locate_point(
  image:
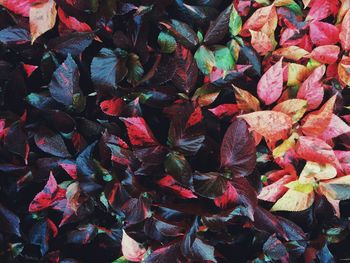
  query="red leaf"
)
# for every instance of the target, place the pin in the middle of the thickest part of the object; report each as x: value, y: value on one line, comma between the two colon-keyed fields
x: 225, y: 110
x: 276, y: 190
x: 345, y: 32
x: 322, y: 33
x: 228, y: 199
x: 73, y: 23
x: 316, y: 122
x: 270, y: 85
x: 195, y: 118
x: 315, y: 150
x: 321, y: 9
x: 52, y: 196
x: 335, y: 128
x: 325, y: 54
x: 18, y: 7
x: 112, y: 107
x: 312, y: 89
x: 169, y: 182
x: 139, y: 132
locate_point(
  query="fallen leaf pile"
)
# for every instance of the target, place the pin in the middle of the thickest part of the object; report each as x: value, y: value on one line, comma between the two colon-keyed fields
x: 174, y: 131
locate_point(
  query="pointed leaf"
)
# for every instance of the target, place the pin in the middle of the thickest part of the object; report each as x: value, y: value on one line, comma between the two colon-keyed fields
x: 272, y: 125
x: 294, y: 201
x: 238, y: 149
x: 271, y: 84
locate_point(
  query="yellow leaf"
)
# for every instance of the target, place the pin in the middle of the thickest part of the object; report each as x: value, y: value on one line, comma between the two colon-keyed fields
x: 296, y: 74
x: 315, y: 172
x: 294, y: 108
x: 294, y: 201
x: 300, y: 187
x: 293, y: 53
x: 337, y: 189
x: 42, y: 18
x: 281, y: 149
x: 246, y: 101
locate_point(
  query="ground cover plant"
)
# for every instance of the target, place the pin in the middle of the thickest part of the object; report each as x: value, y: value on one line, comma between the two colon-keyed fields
x: 174, y: 131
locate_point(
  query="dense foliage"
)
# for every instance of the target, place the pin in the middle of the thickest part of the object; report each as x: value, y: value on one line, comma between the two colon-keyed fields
x: 174, y: 131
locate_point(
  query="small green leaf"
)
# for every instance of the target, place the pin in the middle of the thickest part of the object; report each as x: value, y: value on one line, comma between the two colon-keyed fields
x: 166, y: 42
x: 295, y: 8
x: 235, y: 24
x: 200, y: 37
x: 223, y: 58
x: 205, y: 59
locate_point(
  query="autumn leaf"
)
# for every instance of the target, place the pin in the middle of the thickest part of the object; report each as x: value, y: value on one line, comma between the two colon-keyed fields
x: 294, y: 108
x: 291, y: 52
x: 245, y: 100
x: 337, y: 189
x: 314, y: 171
x: 272, y: 125
x: 327, y: 54
x: 312, y: 89
x: 270, y: 85
x: 276, y: 190
x: 316, y: 122
x: 322, y: 33
x: 42, y: 18
x: 343, y: 70
x: 345, y: 32
x: 315, y: 150
x: 294, y: 201
x: 264, y: 20
x: 261, y: 42
x: 18, y: 7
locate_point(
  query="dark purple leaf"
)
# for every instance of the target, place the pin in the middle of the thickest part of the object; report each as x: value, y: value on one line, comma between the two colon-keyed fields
x: 238, y: 149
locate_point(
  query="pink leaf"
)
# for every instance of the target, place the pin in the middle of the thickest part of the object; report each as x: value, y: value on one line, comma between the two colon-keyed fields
x: 312, y: 89
x: 270, y: 85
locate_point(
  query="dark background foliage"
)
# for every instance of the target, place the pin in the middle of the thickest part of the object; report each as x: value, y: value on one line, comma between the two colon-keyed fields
x: 108, y: 129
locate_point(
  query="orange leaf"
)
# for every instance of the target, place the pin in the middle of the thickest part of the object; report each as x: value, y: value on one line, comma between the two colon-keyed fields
x: 272, y: 125
x: 270, y: 85
x: 264, y: 18
x: 261, y: 42
x: 292, y: 52
x: 312, y: 89
x: 42, y: 18
x: 246, y: 101
x: 316, y: 122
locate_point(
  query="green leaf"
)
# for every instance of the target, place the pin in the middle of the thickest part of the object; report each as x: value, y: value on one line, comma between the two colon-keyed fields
x: 205, y: 59
x: 235, y: 24
x: 135, y: 69
x: 121, y: 260
x: 295, y: 8
x: 166, y: 42
x: 223, y: 58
